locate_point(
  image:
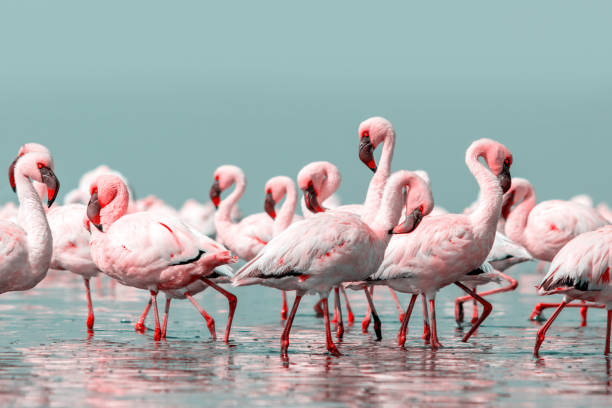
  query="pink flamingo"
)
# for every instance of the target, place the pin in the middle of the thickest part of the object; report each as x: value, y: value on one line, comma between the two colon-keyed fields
x: 250, y: 235
x: 321, y: 252
x: 202, y: 216
x: 445, y: 249
x: 149, y: 250
x: 544, y: 229
x: 80, y: 195
x: 26, y: 247
x: 580, y: 270
x: 276, y: 189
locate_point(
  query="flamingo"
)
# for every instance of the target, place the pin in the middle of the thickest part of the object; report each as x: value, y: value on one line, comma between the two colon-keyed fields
x: 250, y: 235
x: 448, y: 248
x: 320, y: 252
x: 149, y: 250
x: 276, y: 188
x: 80, y: 195
x: 543, y: 229
x: 26, y: 247
x: 580, y: 270
x: 202, y: 216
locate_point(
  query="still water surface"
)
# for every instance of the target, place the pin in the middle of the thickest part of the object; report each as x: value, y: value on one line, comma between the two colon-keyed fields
x: 47, y: 358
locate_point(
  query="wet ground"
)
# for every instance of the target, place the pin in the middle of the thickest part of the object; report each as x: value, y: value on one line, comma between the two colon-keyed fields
x: 47, y: 358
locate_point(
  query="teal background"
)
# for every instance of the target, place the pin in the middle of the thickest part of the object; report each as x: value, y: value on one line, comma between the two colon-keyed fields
x: 167, y: 91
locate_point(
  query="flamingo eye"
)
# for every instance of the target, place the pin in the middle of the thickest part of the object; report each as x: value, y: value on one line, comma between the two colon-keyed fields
x: 94, y: 190
x: 507, y: 162
x: 365, y: 133
x: 269, y: 191
x: 217, y: 177
x: 40, y: 165
x: 421, y: 208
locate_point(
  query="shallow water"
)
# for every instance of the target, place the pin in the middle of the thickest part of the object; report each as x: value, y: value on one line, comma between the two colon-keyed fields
x: 47, y: 358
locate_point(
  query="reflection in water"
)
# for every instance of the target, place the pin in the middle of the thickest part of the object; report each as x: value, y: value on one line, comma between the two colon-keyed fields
x: 46, y: 357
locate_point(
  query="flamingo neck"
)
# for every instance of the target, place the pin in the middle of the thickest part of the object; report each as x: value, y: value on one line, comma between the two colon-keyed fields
x: 391, y: 205
x: 32, y: 218
x: 379, y: 179
x: 224, y: 212
x: 488, y: 209
x: 518, y: 217
x: 116, y: 208
x: 287, y: 210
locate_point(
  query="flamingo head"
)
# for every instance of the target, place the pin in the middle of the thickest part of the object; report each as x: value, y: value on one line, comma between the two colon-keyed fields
x: 372, y: 132
x: 419, y: 203
x: 318, y: 181
x: 519, y: 190
x: 26, y: 148
x: 37, y: 165
x: 499, y: 159
x: 104, y: 190
x: 276, y: 189
x: 225, y: 176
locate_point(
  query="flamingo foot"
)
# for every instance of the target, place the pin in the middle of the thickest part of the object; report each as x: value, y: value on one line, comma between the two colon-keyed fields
x: 365, y: 324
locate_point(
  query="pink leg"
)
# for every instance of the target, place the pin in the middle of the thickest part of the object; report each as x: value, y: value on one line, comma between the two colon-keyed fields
x: 513, y: 284
x: 426, y: 331
x: 318, y: 310
x: 90, y: 313
x: 331, y: 347
x: 350, y: 317
x: 372, y: 309
x: 485, y: 313
x: 368, y: 316
x: 334, y: 319
x: 157, y: 334
x: 165, y: 319
x: 340, y: 328
x: 537, y: 310
x: 140, y: 327
x: 285, y: 335
x: 435, y: 344
x: 583, y: 315
x: 231, y: 299
x: 607, y: 349
x: 474, y: 311
x: 210, y: 322
x: 542, y: 331
x: 401, y: 336
x: 398, y: 305
x: 284, y: 306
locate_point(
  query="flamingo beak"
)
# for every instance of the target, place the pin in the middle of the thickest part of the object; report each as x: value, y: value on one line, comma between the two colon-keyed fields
x: 366, y: 153
x: 215, y: 193
x: 269, y: 206
x: 312, y: 202
x: 410, y: 223
x: 504, y: 178
x: 11, y: 174
x: 52, y: 183
x: 93, y: 211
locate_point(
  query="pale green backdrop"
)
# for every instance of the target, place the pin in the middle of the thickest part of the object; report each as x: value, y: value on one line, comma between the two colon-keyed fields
x: 167, y: 91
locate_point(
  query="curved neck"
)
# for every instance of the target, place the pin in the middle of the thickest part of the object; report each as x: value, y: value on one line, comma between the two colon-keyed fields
x: 488, y: 209
x: 391, y: 205
x: 224, y: 212
x: 33, y: 220
x: 379, y: 179
x: 517, y: 219
x: 116, y: 208
x: 287, y: 210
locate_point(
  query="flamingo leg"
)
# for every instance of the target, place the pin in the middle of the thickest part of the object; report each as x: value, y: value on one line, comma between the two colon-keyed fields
x: 165, y: 319
x: 583, y: 315
x: 350, y: 317
x: 542, y: 331
x: 232, y: 301
x: 340, y: 328
x: 139, y: 326
x: 377, y: 325
x: 334, y: 319
x: 435, y: 343
x: 90, y: 313
x: 537, y: 310
x: 331, y: 347
x: 285, y: 335
x: 368, y: 316
x: 608, y: 328
x: 284, y: 306
x: 485, y: 313
x: 398, y: 305
x: 474, y: 311
x: 513, y: 284
x: 401, y: 336
x: 318, y: 310
x: 210, y: 322
x: 426, y: 330
x: 157, y: 334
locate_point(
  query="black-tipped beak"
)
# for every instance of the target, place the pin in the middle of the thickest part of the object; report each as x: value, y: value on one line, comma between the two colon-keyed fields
x: 215, y: 193
x: 52, y: 183
x: 12, y: 174
x: 269, y: 206
x: 366, y: 153
x: 93, y: 211
x: 312, y: 202
x: 410, y: 223
x: 504, y: 178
